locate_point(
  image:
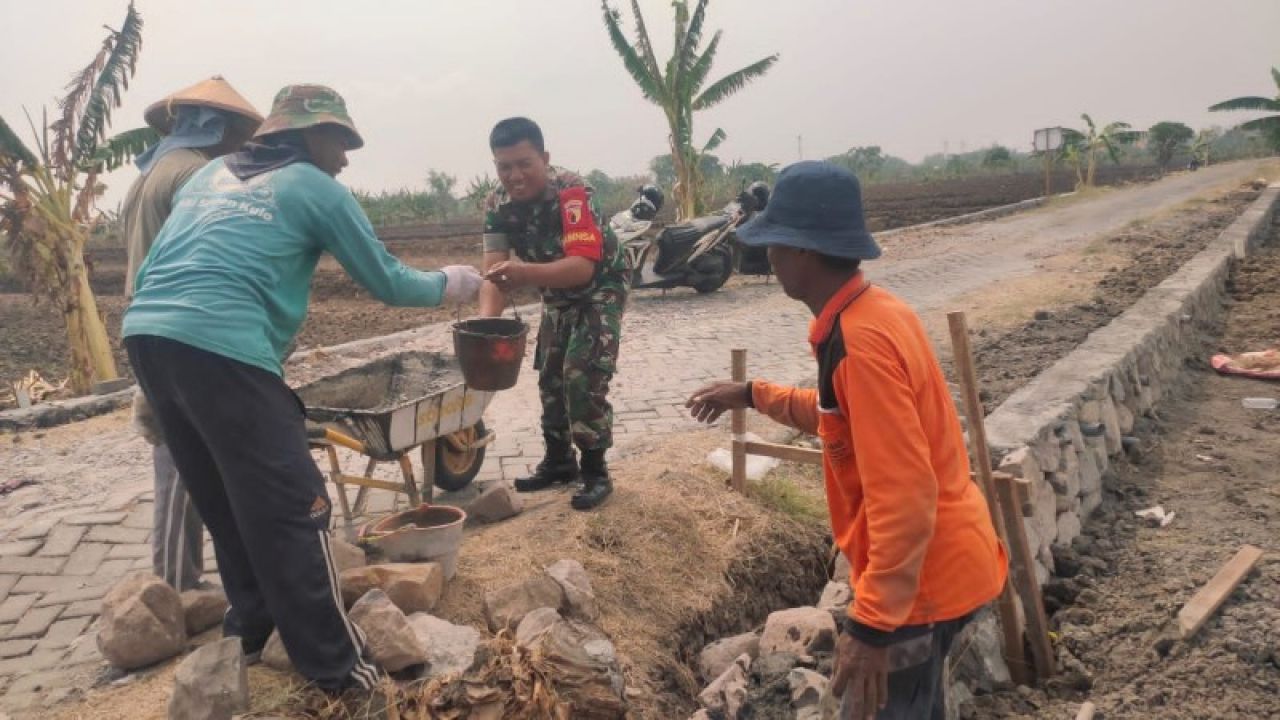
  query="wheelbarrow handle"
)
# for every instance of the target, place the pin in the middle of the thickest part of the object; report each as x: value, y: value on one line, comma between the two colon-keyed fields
x: 320, y: 432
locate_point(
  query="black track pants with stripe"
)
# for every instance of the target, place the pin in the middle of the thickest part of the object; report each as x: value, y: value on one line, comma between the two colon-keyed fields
x: 237, y: 436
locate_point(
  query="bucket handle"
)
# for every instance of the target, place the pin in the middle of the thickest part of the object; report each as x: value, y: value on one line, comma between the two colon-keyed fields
x: 506, y: 299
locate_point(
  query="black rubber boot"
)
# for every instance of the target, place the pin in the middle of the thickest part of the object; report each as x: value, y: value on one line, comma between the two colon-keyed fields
x: 559, y: 466
x: 596, y: 483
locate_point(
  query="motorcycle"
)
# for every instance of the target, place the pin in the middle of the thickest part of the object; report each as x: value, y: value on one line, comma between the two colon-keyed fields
x: 701, y: 253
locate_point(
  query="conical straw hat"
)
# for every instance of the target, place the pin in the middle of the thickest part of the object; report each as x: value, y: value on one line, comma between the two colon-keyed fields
x: 214, y: 92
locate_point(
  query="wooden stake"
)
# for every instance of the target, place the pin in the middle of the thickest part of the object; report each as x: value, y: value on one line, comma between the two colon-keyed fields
x: 1014, y: 495
x: 738, y: 478
x: 962, y: 358
x: 1209, y: 598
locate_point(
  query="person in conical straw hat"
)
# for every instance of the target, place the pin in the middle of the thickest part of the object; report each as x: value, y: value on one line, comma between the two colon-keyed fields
x: 218, y: 302
x: 199, y: 123
x: 207, y: 120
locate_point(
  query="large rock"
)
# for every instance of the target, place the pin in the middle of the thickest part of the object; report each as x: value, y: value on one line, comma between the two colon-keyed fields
x: 495, y: 504
x: 978, y: 658
x: 203, y: 608
x: 584, y: 664
x: 506, y: 606
x: 450, y: 648
x: 573, y: 579
x: 841, y: 571
x: 1044, y: 513
x: 346, y: 556
x: 835, y: 599
x: 413, y: 587
x: 392, y: 641
x: 534, y: 624
x: 719, y: 655
x: 1022, y: 463
x: 1111, y: 420
x: 799, y: 631
x: 810, y: 694
x: 1068, y: 529
x: 275, y: 656
x: 142, y: 622
x: 211, y: 684
x: 727, y: 694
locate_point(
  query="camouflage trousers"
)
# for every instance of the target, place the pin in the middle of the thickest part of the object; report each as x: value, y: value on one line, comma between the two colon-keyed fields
x: 576, y: 357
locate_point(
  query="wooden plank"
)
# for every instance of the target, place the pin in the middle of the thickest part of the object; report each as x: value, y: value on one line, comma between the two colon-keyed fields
x: 1209, y: 598
x: 784, y: 452
x: 738, y: 478
x: 1086, y: 711
x: 1014, y: 494
x: 1007, y: 604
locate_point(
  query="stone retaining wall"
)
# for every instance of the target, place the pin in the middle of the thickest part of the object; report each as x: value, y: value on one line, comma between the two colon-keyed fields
x: 1061, y: 430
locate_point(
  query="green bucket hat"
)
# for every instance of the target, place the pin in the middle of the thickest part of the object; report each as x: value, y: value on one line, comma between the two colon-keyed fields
x: 302, y: 106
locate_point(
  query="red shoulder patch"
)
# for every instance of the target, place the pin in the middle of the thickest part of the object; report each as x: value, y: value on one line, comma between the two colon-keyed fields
x: 581, y: 235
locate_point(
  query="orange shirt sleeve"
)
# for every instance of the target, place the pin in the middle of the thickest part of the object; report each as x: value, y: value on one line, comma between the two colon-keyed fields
x: 898, y: 485
x: 791, y: 406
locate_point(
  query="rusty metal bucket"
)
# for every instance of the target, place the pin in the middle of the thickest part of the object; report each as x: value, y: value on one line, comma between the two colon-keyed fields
x: 427, y: 533
x: 490, y: 351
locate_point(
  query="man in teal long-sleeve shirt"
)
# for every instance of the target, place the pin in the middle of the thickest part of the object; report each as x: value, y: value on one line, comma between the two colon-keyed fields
x: 216, y: 304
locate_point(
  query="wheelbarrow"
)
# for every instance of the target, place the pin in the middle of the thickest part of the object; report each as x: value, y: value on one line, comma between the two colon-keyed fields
x: 387, y: 409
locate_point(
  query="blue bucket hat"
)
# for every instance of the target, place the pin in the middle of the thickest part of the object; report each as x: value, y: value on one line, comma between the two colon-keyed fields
x: 814, y: 206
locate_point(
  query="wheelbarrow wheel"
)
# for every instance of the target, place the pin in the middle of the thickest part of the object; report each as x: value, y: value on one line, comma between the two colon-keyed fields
x: 455, y: 469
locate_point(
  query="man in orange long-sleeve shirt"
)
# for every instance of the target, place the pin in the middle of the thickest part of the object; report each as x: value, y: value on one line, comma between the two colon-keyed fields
x: 903, y: 508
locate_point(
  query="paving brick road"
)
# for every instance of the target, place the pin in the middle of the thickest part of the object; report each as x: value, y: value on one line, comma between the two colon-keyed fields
x: 66, y: 539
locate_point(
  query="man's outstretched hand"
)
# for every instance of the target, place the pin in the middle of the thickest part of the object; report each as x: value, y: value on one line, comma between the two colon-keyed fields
x: 709, y: 403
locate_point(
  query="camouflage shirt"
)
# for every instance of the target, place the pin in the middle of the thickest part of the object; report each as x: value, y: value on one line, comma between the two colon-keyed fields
x: 565, y: 222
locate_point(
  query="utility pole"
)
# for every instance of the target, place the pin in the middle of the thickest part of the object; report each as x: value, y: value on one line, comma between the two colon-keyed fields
x: 800, y: 147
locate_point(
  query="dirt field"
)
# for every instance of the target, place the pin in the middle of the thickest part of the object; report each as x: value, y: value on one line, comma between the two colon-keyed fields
x: 1212, y: 462
x: 891, y: 205
x: 1116, y: 271
x: 341, y: 311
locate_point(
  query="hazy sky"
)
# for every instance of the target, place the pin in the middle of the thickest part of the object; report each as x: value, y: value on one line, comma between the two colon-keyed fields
x: 426, y: 79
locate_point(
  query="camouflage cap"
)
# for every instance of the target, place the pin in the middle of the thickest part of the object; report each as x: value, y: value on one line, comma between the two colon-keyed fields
x: 303, y: 106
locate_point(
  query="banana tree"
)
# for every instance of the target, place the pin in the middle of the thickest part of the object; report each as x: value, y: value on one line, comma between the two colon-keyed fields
x: 680, y: 87
x: 1270, y: 124
x: 1202, y: 145
x: 1084, y: 146
x: 47, y: 195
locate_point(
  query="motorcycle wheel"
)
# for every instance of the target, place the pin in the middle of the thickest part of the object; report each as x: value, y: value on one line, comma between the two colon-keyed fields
x: 714, y: 270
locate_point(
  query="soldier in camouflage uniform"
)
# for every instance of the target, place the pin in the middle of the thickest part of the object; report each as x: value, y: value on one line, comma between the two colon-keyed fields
x: 546, y: 217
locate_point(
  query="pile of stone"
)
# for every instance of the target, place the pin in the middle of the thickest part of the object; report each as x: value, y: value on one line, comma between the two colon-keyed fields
x: 552, y: 616
x: 776, y: 671
x: 782, y: 668
x: 549, y: 617
x: 144, y: 620
x: 391, y: 603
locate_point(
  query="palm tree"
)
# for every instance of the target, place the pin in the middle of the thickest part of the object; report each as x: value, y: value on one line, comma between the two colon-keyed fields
x: 1270, y: 125
x: 47, y: 197
x: 680, y: 88
x: 1083, y: 147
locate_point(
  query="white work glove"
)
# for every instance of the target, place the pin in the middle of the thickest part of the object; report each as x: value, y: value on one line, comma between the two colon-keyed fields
x: 462, y: 284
